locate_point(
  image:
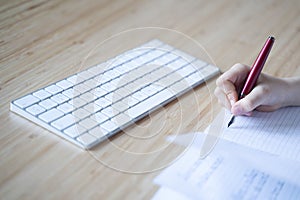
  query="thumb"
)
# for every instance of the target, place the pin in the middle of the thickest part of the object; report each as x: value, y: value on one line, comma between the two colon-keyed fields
x: 246, y: 105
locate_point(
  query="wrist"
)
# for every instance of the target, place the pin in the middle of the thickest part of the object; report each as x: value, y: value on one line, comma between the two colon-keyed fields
x: 293, y: 91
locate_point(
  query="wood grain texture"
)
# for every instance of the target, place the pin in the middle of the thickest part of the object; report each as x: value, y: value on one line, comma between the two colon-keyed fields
x: 44, y: 41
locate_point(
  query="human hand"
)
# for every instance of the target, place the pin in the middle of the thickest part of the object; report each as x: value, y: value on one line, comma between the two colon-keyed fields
x: 269, y: 94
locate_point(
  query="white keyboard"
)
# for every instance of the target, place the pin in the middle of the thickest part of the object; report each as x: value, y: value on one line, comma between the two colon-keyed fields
x: 94, y: 104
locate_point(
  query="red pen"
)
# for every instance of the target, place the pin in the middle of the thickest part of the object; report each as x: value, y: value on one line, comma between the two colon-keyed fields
x: 255, y: 71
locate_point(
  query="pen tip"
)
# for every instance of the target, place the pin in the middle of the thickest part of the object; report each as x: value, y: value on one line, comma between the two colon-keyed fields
x: 229, y: 124
x: 231, y: 121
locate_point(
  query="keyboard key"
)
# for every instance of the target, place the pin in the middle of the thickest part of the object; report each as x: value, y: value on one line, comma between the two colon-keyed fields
x: 166, y: 81
x: 53, y: 89
x: 121, y: 119
x: 99, y: 92
x: 199, y: 64
x: 130, y: 77
x: 85, y: 75
x: 108, y: 87
x: 138, y: 84
x: 179, y: 63
x: 102, y: 79
x: 64, y: 84
x: 180, y: 86
x: 156, y: 53
x: 65, y: 108
x: 130, y: 101
x: 81, y: 113
x: 88, y: 97
x: 190, y: 68
x: 150, y: 90
x: 91, y: 83
x: 116, y: 82
x: 113, y: 97
x: 48, y: 104
x: 122, y: 69
x: 139, y: 95
x: 64, y: 122
x: 102, y: 102
x: 51, y: 115
x: 109, y: 126
x: 98, y: 132
x: 35, y: 109
x: 26, y: 101
x: 92, y: 107
x: 175, y: 77
x: 110, y: 112
x: 145, y: 69
x: 98, y: 69
x: 100, y: 117
x: 151, y: 77
x: 183, y: 72
x: 59, y: 98
x: 120, y: 106
x: 75, y: 79
x: 193, y: 79
x: 81, y: 88
x: 159, y: 62
x: 112, y: 73
x: 77, y: 102
x: 119, y: 60
x: 123, y: 91
x: 42, y: 94
x: 144, y: 106
x: 170, y: 56
x: 87, y: 139
x: 70, y: 93
x: 88, y: 123
x: 74, y: 131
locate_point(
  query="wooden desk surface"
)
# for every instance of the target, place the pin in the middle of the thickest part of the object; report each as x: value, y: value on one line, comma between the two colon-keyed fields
x: 44, y: 41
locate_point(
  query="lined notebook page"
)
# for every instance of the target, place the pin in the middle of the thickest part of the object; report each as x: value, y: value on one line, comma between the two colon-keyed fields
x: 275, y: 132
x: 231, y: 171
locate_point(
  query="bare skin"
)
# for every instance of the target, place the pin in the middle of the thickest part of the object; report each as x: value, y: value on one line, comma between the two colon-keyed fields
x: 269, y: 94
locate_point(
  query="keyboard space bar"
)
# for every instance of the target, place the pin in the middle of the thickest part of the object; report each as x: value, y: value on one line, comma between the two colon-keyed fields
x: 150, y: 103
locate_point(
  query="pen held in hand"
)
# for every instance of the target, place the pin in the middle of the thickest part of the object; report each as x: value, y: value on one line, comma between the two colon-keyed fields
x: 255, y: 71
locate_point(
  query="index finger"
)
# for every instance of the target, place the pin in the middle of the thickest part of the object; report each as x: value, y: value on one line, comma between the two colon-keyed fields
x: 236, y: 74
x: 231, y: 80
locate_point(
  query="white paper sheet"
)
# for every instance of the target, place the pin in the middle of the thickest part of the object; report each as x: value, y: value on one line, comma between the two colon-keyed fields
x: 166, y: 193
x: 275, y: 132
x: 258, y: 157
x: 231, y: 171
